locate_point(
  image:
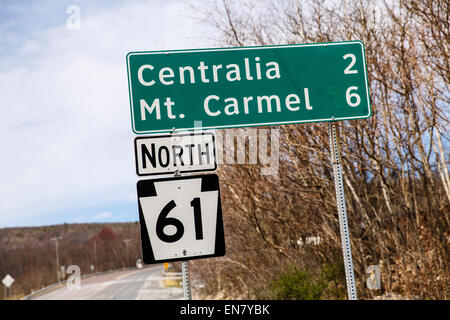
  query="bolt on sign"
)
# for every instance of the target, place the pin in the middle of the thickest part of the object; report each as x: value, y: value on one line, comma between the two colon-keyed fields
x: 247, y: 86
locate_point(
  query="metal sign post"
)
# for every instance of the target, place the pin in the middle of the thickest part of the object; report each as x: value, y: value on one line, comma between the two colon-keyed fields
x: 186, y: 280
x: 342, y: 211
x: 186, y: 276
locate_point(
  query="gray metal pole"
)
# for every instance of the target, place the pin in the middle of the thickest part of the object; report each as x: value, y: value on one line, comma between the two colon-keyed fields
x: 127, y: 241
x: 342, y: 211
x: 57, y: 256
x: 95, y: 255
x: 186, y: 280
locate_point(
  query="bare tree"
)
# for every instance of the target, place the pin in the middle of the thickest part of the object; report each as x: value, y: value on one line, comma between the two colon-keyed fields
x: 395, y: 163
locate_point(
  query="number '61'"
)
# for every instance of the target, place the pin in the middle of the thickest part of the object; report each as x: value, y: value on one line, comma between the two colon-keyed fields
x: 163, y: 221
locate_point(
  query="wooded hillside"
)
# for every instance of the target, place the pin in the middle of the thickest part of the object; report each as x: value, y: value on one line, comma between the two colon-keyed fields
x: 29, y: 255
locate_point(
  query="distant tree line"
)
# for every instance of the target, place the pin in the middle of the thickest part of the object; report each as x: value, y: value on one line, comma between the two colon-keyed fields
x: 29, y: 254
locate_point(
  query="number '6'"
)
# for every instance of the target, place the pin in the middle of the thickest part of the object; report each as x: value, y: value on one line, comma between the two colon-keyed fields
x: 163, y: 221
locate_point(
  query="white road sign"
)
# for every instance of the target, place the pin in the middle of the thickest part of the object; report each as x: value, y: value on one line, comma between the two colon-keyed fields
x: 166, y: 154
x: 8, y: 281
x: 181, y: 218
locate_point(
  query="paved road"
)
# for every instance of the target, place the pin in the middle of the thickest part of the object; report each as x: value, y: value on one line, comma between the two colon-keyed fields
x: 144, y: 284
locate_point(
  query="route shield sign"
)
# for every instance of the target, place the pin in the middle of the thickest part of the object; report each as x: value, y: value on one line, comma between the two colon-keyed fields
x: 180, y: 218
x: 247, y: 86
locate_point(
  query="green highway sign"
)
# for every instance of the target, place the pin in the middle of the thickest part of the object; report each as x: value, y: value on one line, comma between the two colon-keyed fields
x: 247, y: 86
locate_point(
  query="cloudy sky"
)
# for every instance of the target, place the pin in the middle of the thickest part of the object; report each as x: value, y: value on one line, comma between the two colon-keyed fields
x: 65, y: 133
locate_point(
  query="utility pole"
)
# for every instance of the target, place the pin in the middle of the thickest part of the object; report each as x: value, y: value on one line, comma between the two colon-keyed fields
x: 95, y: 254
x: 127, y: 241
x: 57, y: 255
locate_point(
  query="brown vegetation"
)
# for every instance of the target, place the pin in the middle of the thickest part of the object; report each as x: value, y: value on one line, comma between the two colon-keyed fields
x: 395, y: 163
x: 29, y: 256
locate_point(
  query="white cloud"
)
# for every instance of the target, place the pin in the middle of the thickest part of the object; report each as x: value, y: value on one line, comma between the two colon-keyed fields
x: 65, y: 130
x: 102, y: 215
